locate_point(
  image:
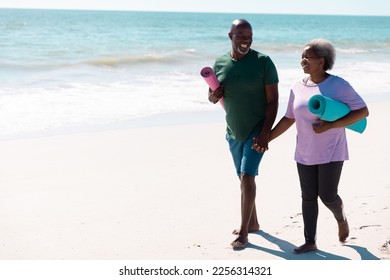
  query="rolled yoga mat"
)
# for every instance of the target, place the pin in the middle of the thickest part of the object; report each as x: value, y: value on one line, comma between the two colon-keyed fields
x: 328, y: 109
x: 211, y: 79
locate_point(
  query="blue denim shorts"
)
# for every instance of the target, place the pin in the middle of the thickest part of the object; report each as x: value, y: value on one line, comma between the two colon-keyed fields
x: 246, y: 160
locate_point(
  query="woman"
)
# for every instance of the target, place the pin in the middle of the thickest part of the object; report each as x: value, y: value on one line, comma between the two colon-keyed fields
x: 321, y: 146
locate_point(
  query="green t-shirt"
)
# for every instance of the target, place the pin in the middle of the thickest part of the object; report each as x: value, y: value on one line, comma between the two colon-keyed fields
x: 244, y: 97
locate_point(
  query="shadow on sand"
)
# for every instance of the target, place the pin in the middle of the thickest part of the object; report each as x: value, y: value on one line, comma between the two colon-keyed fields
x: 287, y: 250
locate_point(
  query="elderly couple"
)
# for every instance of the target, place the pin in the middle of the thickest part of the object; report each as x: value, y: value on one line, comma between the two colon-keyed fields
x: 249, y: 88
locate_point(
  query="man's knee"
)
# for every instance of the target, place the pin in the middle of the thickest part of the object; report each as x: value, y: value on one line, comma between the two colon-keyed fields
x: 247, y: 181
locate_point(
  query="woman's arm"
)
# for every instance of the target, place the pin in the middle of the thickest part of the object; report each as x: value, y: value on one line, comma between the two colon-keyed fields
x: 352, y: 117
x: 282, y: 126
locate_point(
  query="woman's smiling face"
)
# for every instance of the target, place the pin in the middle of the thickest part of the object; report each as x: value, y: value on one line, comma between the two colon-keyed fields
x: 310, y: 61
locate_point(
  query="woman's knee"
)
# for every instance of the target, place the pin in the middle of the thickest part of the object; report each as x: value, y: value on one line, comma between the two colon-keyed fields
x: 331, y: 200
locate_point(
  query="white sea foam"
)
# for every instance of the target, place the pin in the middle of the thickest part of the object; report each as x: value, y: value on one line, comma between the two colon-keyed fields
x: 30, y: 109
x: 66, y: 69
x: 40, y: 109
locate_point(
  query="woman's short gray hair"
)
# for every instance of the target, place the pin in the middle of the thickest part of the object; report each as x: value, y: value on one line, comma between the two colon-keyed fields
x: 323, y: 48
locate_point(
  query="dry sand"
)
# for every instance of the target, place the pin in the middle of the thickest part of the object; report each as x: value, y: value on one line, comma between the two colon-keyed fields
x: 170, y: 192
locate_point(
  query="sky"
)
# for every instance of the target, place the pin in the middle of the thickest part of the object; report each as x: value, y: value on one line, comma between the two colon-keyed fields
x: 329, y: 7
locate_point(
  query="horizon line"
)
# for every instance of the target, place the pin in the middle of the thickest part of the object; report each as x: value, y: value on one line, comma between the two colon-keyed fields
x: 173, y: 11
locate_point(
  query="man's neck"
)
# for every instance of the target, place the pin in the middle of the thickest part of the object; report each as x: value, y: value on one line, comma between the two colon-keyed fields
x: 237, y: 56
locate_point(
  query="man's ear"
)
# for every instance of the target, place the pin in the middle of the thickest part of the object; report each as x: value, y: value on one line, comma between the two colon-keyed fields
x: 230, y: 35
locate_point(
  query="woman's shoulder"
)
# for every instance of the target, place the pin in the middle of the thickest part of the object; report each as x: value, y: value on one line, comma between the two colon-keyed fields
x: 334, y: 81
x: 299, y: 85
x: 337, y: 79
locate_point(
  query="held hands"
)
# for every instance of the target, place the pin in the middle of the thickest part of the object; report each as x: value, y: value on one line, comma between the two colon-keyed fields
x: 260, y: 143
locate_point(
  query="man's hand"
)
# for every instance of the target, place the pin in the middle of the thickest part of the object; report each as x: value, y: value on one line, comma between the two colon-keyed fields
x: 214, y: 96
x: 260, y: 143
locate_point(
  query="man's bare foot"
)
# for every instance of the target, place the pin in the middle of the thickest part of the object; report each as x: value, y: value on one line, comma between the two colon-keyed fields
x: 240, y: 242
x: 237, y: 231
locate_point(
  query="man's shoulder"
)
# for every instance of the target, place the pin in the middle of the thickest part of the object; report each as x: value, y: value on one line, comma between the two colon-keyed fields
x: 258, y: 54
x: 223, y: 57
x: 222, y: 60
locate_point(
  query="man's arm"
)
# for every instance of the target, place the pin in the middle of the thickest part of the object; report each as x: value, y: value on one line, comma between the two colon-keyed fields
x: 260, y: 143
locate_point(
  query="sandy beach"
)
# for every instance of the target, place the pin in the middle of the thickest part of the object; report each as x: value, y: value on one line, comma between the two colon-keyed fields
x: 170, y: 192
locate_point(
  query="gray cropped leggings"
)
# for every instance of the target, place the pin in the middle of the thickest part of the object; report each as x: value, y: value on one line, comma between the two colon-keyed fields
x: 319, y: 181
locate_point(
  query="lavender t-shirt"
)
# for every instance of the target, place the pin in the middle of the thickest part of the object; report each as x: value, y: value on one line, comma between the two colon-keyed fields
x: 330, y: 146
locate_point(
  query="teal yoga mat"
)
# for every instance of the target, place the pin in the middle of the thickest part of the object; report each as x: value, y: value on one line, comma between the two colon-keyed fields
x: 328, y: 109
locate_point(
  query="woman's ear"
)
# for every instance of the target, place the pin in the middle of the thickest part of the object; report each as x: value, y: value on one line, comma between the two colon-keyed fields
x: 322, y: 62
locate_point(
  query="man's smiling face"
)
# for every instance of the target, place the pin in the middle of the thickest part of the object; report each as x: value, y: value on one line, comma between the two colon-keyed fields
x: 241, y: 38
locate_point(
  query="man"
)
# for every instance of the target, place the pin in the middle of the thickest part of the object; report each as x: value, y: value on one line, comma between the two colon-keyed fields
x: 249, y: 88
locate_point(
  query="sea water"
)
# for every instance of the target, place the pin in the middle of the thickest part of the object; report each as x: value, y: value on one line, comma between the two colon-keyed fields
x: 64, y: 69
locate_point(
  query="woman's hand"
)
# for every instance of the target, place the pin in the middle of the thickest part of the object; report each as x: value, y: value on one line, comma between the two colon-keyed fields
x: 320, y: 126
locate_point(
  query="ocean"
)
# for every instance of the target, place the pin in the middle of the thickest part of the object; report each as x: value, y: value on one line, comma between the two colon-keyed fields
x: 64, y: 70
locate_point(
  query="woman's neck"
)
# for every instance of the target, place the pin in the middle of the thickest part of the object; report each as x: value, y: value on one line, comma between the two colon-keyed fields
x: 316, y: 79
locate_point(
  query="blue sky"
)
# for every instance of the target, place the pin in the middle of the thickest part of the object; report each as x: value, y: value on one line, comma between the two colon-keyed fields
x: 333, y: 7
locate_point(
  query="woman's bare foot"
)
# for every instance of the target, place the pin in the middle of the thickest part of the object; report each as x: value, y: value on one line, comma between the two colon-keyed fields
x: 240, y: 242
x: 343, y: 230
x: 305, y: 248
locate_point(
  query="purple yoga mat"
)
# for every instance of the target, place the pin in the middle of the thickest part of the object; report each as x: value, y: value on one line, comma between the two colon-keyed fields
x: 209, y: 76
x: 211, y: 79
